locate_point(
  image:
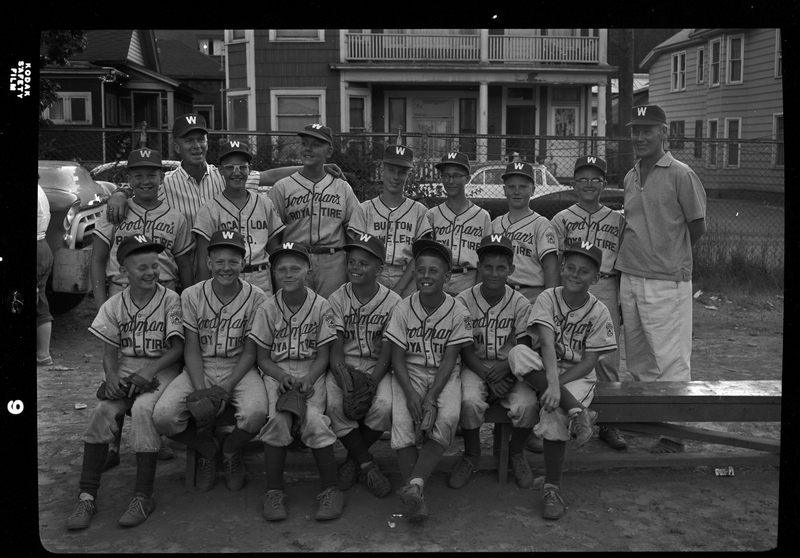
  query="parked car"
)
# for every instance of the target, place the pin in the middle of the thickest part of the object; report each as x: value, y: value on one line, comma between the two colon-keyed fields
x: 76, y: 203
x: 115, y: 172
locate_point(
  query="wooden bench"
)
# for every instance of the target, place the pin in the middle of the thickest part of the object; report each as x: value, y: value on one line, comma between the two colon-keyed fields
x: 644, y: 407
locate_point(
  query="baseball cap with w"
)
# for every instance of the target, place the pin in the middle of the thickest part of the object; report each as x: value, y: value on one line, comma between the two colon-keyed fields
x: 647, y: 115
x: 371, y: 244
x: 524, y: 169
x: 234, y: 146
x: 454, y: 158
x: 591, y: 161
x: 136, y: 243
x: 187, y: 123
x: 144, y: 158
x: 585, y: 249
x: 499, y: 241
x: 224, y: 237
x: 317, y: 131
x: 399, y: 155
x: 290, y: 248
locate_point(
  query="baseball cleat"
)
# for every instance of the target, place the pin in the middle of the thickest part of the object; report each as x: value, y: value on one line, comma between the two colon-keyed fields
x: 82, y: 514
x: 583, y: 421
x: 411, y: 496
x: 138, y: 510
x: 331, y: 503
x: 554, y: 506
x: 522, y: 470
x: 612, y: 437
x: 206, y: 473
x: 459, y: 476
x: 274, y: 506
x: 377, y: 484
x: 234, y: 472
x: 347, y: 475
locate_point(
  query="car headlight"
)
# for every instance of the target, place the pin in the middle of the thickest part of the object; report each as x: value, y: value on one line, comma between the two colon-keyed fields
x: 73, y: 210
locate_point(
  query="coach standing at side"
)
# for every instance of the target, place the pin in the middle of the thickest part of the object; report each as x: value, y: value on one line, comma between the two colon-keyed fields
x: 665, y: 209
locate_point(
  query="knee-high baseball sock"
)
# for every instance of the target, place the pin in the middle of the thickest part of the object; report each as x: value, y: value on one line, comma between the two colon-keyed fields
x: 518, y: 438
x: 429, y: 457
x: 553, y: 461
x: 369, y: 435
x: 274, y: 460
x: 356, y: 447
x: 326, y: 464
x: 145, y: 472
x: 406, y: 459
x: 94, y: 457
x: 236, y: 441
x: 538, y: 381
x: 472, y: 441
x: 203, y: 444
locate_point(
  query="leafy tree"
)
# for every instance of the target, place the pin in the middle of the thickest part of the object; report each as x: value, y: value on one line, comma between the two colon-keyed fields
x: 56, y: 47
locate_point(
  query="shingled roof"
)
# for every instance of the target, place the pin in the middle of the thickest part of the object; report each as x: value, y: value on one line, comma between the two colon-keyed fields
x: 106, y: 44
x: 182, y: 61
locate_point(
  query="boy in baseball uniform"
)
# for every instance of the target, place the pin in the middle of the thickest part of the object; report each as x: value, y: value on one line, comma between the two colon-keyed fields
x: 569, y: 330
x: 251, y: 214
x: 427, y: 332
x: 361, y: 309
x: 590, y: 221
x: 395, y: 219
x: 294, y: 330
x: 458, y: 223
x: 316, y: 209
x: 141, y: 328
x: 217, y: 317
x: 499, y: 317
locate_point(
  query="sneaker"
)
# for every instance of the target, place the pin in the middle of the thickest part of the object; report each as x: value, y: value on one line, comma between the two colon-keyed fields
x: 522, y: 470
x: 138, y: 510
x: 554, y: 506
x: 331, y: 503
x: 206, y: 473
x: 613, y: 438
x: 82, y: 514
x: 459, y: 476
x: 582, y: 423
x: 411, y: 496
x: 347, y: 475
x: 234, y: 472
x: 165, y: 452
x: 274, y: 507
x: 112, y: 460
x: 534, y: 444
x: 375, y: 481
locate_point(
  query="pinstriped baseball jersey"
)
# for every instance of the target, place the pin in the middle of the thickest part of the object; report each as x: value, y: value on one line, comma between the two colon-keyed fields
x: 533, y: 238
x: 585, y: 328
x: 257, y: 222
x: 362, y: 323
x: 293, y: 336
x: 398, y: 228
x: 462, y: 233
x: 496, y: 328
x: 603, y: 228
x: 160, y: 224
x: 315, y: 213
x: 140, y: 332
x: 425, y: 336
x: 222, y: 328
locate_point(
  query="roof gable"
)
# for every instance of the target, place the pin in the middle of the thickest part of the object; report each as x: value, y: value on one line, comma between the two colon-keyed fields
x: 120, y: 46
x: 180, y: 60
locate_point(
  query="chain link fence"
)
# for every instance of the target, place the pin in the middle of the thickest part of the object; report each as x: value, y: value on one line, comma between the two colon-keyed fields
x: 744, y: 179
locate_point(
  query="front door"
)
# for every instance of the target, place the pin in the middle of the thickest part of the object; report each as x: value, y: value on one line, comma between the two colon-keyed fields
x: 146, y: 108
x: 520, y: 120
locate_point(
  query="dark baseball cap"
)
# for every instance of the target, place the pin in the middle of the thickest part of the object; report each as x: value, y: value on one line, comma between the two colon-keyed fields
x: 371, y: 244
x: 144, y: 158
x: 585, y: 249
x: 136, y: 243
x: 234, y: 146
x: 496, y: 241
x: 424, y: 243
x: 647, y: 115
x: 317, y: 131
x: 591, y: 161
x: 399, y: 155
x: 225, y: 237
x: 523, y: 169
x: 454, y: 158
x: 290, y: 248
x: 187, y: 123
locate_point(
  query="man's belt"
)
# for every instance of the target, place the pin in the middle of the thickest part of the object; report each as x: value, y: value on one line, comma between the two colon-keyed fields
x: 254, y: 268
x: 315, y: 250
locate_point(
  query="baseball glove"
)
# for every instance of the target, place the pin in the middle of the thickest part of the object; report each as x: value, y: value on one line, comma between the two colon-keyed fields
x: 293, y: 402
x: 133, y: 379
x: 205, y: 405
x: 358, y: 389
x: 429, y: 412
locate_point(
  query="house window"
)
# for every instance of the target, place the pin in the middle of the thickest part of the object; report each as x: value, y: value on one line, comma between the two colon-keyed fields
x: 112, y: 110
x: 237, y: 34
x: 397, y: 115
x: 732, y: 130
x: 292, y: 110
x: 211, y: 47
x: 713, y: 79
x: 71, y: 108
x: 468, y: 124
x: 713, y: 125
x: 698, y: 133
x: 314, y: 35
x: 357, y: 119
x: 679, y: 71
x: 778, y: 133
x: 735, y: 59
x: 207, y: 112
x: 778, y: 55
x: 676, y: 131
x: 238, y: 112
x: 701, y: 65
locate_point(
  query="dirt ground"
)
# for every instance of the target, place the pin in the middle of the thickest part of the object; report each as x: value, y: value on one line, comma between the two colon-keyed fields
x: 631, y: 509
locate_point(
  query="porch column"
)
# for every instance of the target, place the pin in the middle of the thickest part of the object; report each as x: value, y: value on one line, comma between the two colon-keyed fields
x: 483, y: 120
x: 342, y: 46
x: 484, y: 45
x: 601, y: 108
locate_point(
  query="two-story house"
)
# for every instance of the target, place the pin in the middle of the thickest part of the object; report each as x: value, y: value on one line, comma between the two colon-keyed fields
x: 723, y: 83
x: 529, y: 82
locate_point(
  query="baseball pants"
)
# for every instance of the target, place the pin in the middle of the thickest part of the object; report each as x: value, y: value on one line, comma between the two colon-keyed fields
x: 328, y: 273
x: 315, y: 429
x: 379, y: 415
x: 523, y: 359
x: 461, y: 281
x: 44, y: 265
x: 657, y: 317
x: 261, y: 279
x: 607, y: 291
x: 449, y: 409
x: 145, y: 437
x: 391, y: 275
x: 520, y: 400
x: 248, y: 397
